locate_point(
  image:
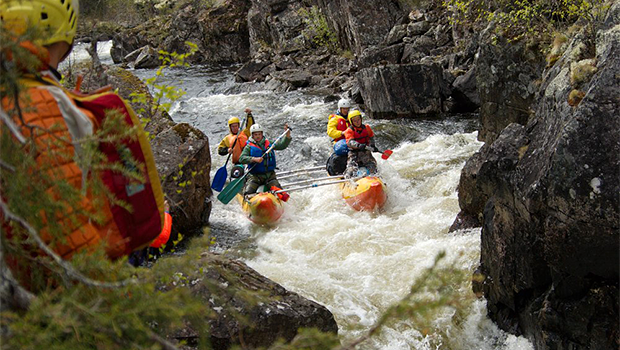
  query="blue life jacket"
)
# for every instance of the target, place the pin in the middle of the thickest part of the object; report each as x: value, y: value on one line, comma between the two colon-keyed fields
x: 256, y: 151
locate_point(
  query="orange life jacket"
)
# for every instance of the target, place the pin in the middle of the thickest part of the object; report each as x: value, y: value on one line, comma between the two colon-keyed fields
x: 121, y: 230
x: 238, y: 148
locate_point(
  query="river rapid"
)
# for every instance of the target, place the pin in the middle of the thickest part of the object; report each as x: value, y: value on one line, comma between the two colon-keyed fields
x: 356, y: 264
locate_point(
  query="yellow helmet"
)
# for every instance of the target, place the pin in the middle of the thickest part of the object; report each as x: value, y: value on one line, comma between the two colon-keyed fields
x: 233, y: 120
x: 56, y: 18
x: 354, y: 113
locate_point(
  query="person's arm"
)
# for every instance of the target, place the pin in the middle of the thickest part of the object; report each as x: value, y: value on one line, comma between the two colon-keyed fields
x: 285, y: 141
x: 348, y: 134
x: 249, y: 122
x: 222, y: 149
x: 331, y: 128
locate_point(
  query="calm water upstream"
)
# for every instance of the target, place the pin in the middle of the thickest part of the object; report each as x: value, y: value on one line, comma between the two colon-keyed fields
x: 356, y: 264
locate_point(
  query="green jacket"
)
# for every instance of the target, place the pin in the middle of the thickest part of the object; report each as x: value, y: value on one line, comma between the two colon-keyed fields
x: 245, y: 157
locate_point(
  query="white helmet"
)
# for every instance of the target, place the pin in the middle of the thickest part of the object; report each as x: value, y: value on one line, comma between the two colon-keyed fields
x: 344, y: 103
x: 256, y: 128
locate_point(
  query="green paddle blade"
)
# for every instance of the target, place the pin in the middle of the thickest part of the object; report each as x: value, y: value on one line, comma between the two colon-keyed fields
x: 230, y: 191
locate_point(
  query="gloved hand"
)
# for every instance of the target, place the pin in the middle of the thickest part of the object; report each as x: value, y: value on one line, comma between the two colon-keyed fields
x: 374, y: 148
x: 362, y: 147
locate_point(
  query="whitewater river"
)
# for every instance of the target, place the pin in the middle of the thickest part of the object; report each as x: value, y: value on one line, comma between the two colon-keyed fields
x: 356, y: 264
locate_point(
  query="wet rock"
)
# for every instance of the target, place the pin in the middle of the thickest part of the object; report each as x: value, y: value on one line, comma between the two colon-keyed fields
x: 147, y: 57
x: 251, y: 71
x: 275, y: 313
x: 402, y: 90
x: 296, y: 78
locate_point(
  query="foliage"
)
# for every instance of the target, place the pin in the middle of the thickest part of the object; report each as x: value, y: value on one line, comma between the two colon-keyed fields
x: 163, y: 94
x: 523, y: 18
x: 317, y: 29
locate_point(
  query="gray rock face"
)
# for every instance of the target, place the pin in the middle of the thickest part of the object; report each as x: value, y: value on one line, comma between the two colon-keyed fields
x: 550, y: 238
x: 276, y: 26
x: 364, y: 23
x: 183, y: 160
x: 506, y: 76
x: 402, y: 90
x: 276, y: 313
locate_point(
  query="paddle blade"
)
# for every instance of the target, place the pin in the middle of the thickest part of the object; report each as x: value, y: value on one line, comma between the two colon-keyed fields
x: 219, y: 180
x: 231, y: 190
x: 386, y: 154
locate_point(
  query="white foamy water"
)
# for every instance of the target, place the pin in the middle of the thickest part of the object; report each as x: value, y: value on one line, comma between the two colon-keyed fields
x: 79, y: 53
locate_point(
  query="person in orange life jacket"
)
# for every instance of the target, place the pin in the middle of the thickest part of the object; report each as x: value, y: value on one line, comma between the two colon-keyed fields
x: 226, y: 146
x: 360, y: 140
x: 263, y: 173
x: 77, y: 116
x: 336, y: 126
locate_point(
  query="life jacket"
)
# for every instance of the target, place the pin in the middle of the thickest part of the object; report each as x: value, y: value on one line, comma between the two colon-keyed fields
x: 238, y: 148
x: 77, y: 115
x: 361, y: 134
x: 341, y: 125
x: 256, y: 151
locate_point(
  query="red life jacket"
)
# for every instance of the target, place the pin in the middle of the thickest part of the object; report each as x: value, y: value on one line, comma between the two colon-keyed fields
x: 361, y: 135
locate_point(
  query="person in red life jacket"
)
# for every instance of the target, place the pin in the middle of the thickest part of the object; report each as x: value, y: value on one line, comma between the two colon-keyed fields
x: 228, y: 144
x: 336, y: 126
x: 43, y: 102
x: 360, y: 140
x: 262, y: 168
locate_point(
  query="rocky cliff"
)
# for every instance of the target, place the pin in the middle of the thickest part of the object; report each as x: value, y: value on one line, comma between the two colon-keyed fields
x: 546, y: 190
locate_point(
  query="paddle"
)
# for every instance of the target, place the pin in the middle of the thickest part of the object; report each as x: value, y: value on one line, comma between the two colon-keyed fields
x: 315, y: 185
x: 221, y: 174
x: 234, y: 187
x: 385, y: 154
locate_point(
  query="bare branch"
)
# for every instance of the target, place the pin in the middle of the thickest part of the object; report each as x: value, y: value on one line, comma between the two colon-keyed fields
x: 7, y: 166
x: 67, y: 267
x: 12, y: 127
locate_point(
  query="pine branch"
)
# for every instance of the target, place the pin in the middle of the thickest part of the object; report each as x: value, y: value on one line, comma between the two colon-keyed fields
x: 66, y: 266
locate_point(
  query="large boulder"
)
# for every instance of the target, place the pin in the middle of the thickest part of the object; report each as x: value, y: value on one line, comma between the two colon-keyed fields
x: 183, y: 161
x: 550, y: 238
x: 403, y: 90
x: 271, y: 313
